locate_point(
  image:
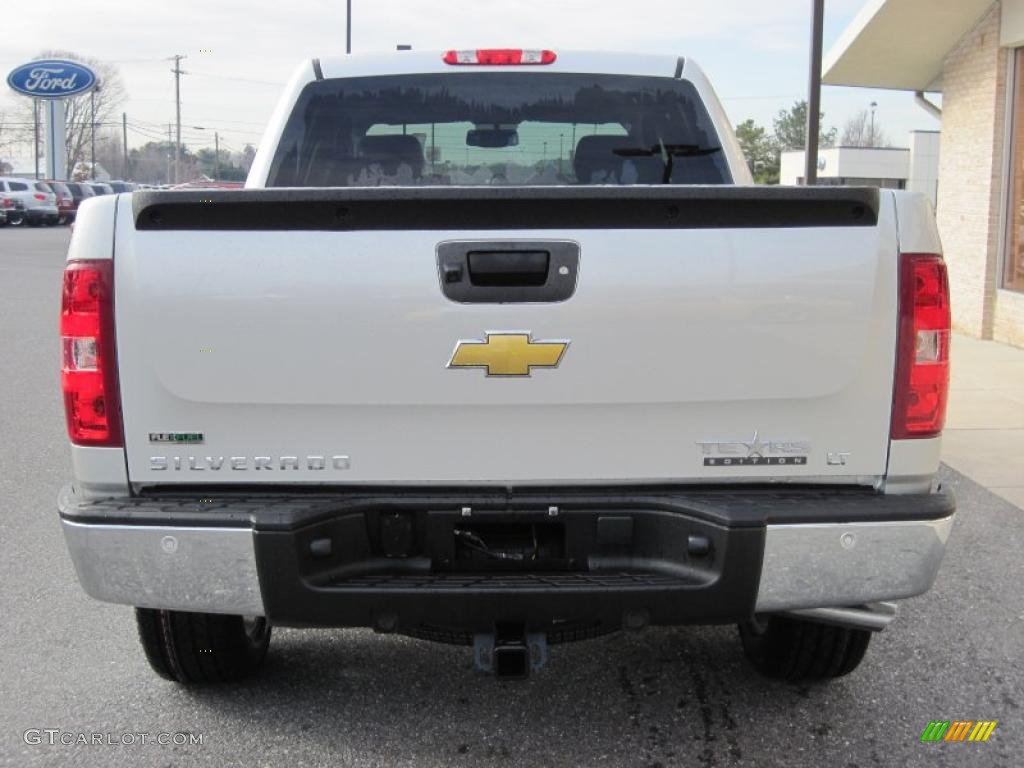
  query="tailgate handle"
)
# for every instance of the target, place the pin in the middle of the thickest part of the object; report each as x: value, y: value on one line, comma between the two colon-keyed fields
x: 508, y: 269
x: 493, y: 272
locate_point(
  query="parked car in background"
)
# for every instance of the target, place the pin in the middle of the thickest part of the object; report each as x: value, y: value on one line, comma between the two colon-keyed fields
x: 79, y: 192
x: 11, y: 210
x: 40, y: 205
x: 66, y: 205
x: 47, y: 197
x: 122, y: 186
x: 100, y: 187
x: 210, y: 185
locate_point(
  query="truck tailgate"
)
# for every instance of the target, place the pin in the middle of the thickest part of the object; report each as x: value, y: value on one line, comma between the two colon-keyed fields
x: 302, y: 336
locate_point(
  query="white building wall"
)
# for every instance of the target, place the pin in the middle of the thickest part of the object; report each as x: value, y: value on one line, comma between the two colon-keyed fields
x: 791, y: 170
x: 869, y: 163
x: 1011, y: 33
x: 851, y: 163
x: 924, y: 164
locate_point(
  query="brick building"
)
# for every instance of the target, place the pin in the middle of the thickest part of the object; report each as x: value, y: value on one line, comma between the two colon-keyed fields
x: 972, y: 52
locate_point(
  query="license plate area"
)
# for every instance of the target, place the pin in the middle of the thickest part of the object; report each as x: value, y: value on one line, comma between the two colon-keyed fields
x: 537, y: 545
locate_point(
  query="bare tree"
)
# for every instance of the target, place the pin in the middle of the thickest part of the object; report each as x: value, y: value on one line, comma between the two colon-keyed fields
x: 78, y: 110
x: 5, y: 141
x: 248, y: 154
x: 5, y: 137
x: 110, y: 152
x: 151, y: 162
x: 862, y: 130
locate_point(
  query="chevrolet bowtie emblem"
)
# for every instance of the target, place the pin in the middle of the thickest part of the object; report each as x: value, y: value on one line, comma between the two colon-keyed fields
x: 508, y: 353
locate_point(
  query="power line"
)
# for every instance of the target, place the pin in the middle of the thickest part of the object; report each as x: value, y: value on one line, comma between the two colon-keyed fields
x: 239, y: 79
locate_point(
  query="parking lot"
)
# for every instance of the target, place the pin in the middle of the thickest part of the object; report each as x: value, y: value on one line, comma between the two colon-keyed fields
x: 658, y: 698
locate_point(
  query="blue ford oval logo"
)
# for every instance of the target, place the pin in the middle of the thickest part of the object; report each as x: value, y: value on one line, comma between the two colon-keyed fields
x: 52, y: 79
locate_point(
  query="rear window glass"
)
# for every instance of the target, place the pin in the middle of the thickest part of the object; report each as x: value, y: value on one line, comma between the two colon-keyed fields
x: 498, y: 128
x: 42, y: 186
x: 17, y: 186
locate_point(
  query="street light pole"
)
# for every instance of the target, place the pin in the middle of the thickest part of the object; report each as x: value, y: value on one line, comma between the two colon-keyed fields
x: 124, y: 144
x: 871, y: 138
x: 35, y: 131
x: 348, y: 26
x: 814, y: 95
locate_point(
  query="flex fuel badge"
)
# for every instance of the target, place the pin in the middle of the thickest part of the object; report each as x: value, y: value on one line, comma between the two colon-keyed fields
x: 178, y: 438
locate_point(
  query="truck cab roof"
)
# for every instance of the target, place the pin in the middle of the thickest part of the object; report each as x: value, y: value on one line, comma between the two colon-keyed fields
x: 594, y: 62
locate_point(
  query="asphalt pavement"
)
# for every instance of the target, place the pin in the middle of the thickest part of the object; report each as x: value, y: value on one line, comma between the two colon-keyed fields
x: 73, y: 666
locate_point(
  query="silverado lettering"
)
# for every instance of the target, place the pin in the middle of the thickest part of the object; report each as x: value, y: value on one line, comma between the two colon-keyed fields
x: 200, y: 463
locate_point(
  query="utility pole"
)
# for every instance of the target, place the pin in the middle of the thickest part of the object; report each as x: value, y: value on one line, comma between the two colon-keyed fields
x: 216, y: 156
x: 814, y: 95
x: 874, y: 106
x: 92, y: 124
x: 124, y: 144
x: 348, y: 26
x: 169, y: 145
x: 35, y: 131
x: 178, y: 72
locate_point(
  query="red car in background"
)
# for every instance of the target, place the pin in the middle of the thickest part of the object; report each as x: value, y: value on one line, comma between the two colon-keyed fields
x: 79, y: 192
x: 67, y: 206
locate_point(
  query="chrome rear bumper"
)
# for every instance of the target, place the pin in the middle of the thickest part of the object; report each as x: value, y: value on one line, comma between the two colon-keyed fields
x: 214, y: 569
x: 207, y: 570
x: 845, y: 564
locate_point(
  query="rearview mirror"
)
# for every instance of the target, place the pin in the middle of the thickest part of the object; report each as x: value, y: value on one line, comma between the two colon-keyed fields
x: 492, y: 138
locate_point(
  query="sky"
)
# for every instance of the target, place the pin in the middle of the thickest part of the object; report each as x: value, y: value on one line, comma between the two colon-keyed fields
x: 240, y: 52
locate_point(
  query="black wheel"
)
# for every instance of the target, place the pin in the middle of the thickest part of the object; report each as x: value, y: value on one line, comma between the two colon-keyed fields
x: 793, y: 649
x: 202, y: 647
x: 15, y: 219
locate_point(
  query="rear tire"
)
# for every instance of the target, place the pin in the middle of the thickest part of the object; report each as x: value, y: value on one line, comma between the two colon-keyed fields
x: 202, y: 647
x: 793, y: 649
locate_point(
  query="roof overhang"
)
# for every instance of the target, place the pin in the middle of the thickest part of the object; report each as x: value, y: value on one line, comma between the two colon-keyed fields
x: 901, y: 44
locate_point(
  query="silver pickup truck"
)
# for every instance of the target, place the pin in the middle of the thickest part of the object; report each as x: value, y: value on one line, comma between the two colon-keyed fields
x: 502, y: 348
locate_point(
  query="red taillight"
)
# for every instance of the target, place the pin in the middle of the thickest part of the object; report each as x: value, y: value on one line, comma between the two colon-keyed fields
x: 922, y: 361
x: 39, y: 196
x: 500, y: 57
x: 89, y: 368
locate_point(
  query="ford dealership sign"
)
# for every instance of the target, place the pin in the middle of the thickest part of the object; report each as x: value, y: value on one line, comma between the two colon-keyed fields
x: 52, y: 79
